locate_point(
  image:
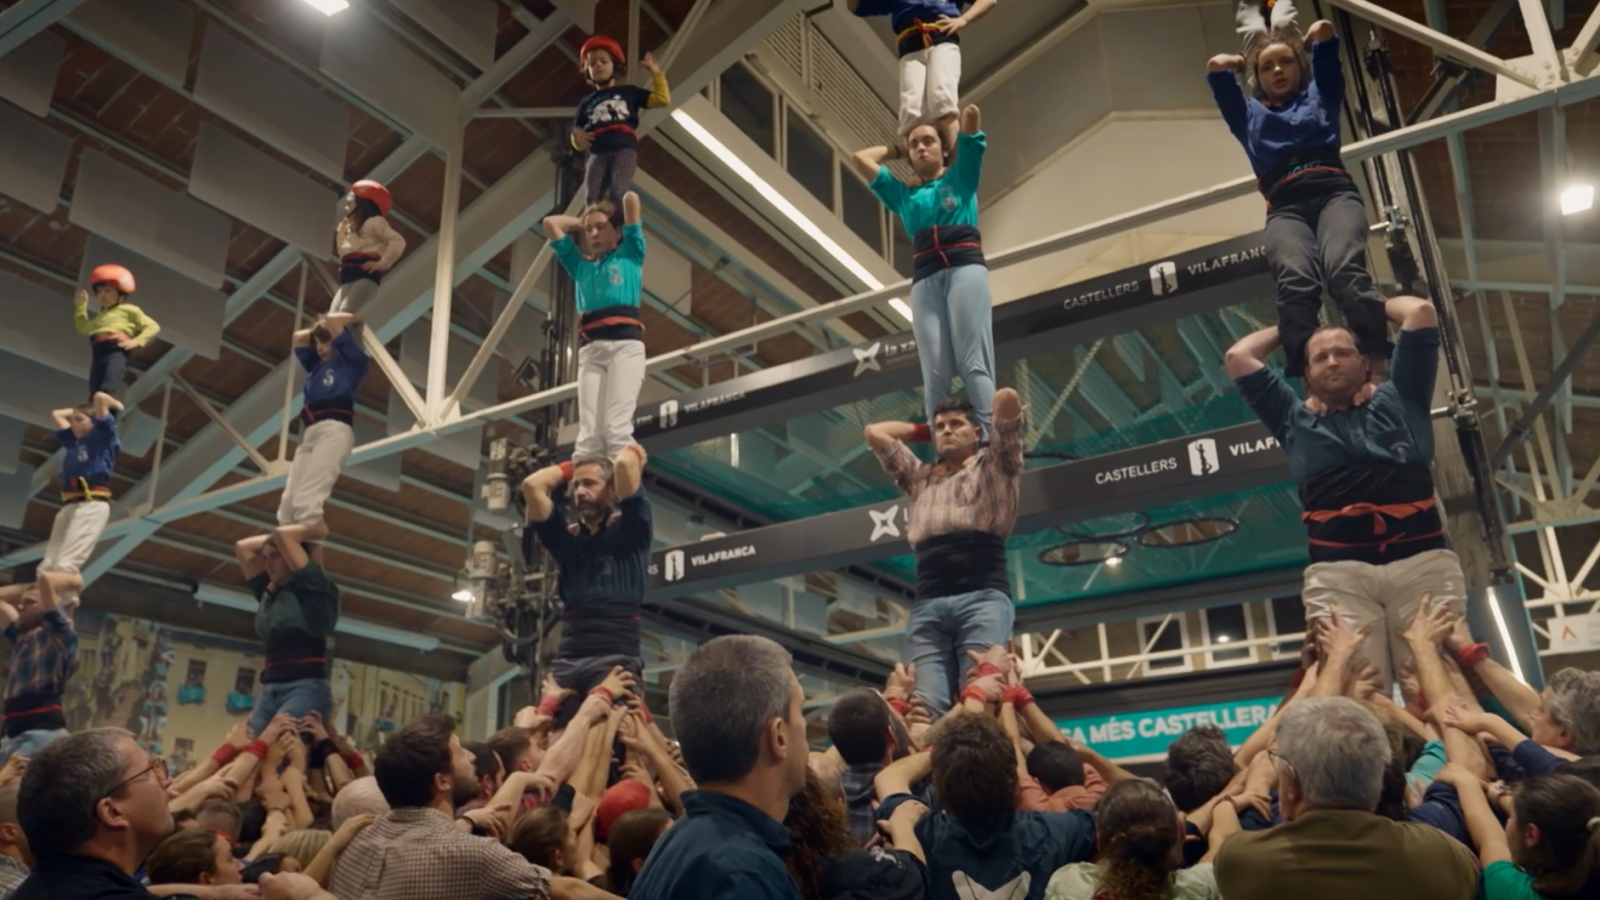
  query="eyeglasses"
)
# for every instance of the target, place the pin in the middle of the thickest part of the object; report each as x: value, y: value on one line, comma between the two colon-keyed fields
x: 157, y: 766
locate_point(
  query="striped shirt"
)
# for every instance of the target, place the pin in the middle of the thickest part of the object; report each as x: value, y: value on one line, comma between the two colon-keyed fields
x: 981, y: 496
x: 43, y: 658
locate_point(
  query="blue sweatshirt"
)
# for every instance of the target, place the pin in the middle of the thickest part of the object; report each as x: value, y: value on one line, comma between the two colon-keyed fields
x: 902, y: 13
x: 722, y: 849
x: 1279, y: 140
x: 89, y: 460
x: 332, y: 384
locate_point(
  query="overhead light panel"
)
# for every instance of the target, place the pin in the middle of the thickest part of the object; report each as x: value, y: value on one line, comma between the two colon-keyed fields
x: 1505, y: 633
x: 329, y: 7
x: 462, y: 594
x: 1576, y: 199
x: 1114, y: 561
x: 789, y: 210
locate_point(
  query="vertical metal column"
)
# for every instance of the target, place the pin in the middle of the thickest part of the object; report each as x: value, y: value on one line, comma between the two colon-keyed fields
x: 443, y: 285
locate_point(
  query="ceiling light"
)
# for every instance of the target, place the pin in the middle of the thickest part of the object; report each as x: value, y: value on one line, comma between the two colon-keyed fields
x: 1576, y: 199
x: 1114, y: 561
x: 462, y: 594
x: 771, y: 194
x: 329, y: 7
x: 1223, y: 639
x: 1505, y: 632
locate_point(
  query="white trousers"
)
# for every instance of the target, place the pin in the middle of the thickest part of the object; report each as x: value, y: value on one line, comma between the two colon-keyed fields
x: 609, y: 376
x: 353, y: 296
x: 930, y: 85
x: 324, y: 446
x: 1384, y: 598
x: 73, y: 537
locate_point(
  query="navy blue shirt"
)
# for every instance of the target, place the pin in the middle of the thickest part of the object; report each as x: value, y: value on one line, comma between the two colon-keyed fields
x: 1275, y: 137
x: 1441, y: 808
x: 602, y: 577
x: 92, y: 457
x: 902, y: 13
x: 722, y: 849
x: 1535, y: 759
x: 332, y: 383
x: 1015, y: 861
x: 79, y: 878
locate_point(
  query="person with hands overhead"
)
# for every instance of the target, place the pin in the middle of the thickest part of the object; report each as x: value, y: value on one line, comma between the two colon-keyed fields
x: 335, y: 366
x: 1316, y: 233
x: 928, y: 39
x: 1549, y: 847
x: 117, y: 329
x: 299, y: 608
x: 602, y: 556
x: 868, y: 731
x: 952, y: 313
x: 1139, y: 834
x: 368, y: 246
x: 1373, y: 523
x: 963, y: 507
x: 44, y: 656
x: 89, y: 446
x: 607, y: 121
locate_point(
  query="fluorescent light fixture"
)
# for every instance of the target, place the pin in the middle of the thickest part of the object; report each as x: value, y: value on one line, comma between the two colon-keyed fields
x: 1576, y: 199
x: 221, y: 596
x: 1505, y: 634
x: 328, y: 7
x: 771, y: 195
x: 1223, y: 638
x: 1114, y: 561
x: 462, y: 594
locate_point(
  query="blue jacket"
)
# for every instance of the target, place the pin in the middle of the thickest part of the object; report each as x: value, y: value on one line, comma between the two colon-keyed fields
x: 332, y: 384
x: 1275, y: 137
x: 91, y: 458
x: 722, y: 849
x: 901, y: 13
x: 1014, y: 861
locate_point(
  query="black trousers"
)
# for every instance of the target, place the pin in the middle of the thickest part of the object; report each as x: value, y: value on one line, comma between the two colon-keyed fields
x: 1321, y: 242
x: 109, y: 370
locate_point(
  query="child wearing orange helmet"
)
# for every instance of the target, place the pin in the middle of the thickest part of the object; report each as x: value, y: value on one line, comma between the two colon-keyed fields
x: 608, y: 119
x: 117, y: 328
x: 368, y: 246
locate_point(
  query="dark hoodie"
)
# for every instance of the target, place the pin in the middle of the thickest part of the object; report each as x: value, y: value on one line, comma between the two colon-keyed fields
x: 1016, y: 860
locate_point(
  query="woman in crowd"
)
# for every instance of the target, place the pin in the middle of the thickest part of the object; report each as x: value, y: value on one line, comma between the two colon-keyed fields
x: 1549, y: 848
x: 827, y: 865
x: 1140, y: 838
x: 630, y: 841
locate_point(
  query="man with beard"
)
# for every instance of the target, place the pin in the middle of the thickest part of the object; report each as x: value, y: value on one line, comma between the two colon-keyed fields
x: 1361, y: 454
x: 602, y: 557
x: 416, y: 852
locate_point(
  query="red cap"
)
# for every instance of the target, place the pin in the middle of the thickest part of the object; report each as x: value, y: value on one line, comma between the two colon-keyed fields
x: 116, y: 275
x: 601, y: 42
x: 624, y: 796
x: 377, y: 193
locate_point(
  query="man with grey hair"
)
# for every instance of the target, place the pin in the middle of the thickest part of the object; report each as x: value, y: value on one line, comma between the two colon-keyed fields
x: 603, y: 558
x: 736, y: 708
x: 1331, y: 756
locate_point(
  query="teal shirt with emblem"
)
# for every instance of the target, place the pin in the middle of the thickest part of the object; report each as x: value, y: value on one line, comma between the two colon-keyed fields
x: 612, y: 280
x: 951, y: 199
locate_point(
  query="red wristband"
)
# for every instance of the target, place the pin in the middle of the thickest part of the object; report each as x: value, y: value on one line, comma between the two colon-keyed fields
x: 354, y: 760
x: 899, y: 706
x: 256, y: 748
x: 1472, y: 654
x: 1018, y: 696
x: 920, y: 434
x: 224, y: 755
x: 566, y: 470
x: 549, y: 706
x: 605, y: 692
x: 1298, y: 679
x: 974, y: 692
x: 985, y: 668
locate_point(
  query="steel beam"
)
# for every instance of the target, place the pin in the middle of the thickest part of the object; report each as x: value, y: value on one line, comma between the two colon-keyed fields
x: 444, y: 287
x: 1441, y: 43
x: 1443, y: 93
x: 27, y: 18
x: 1558, y: 376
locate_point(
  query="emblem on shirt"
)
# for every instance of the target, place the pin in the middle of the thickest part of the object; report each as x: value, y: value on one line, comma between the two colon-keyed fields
x: 668, y: 414
x: 673, y: 562
x: 615, y: 273
x: 83, y: 453
x: 1203, y: 457
x: 1401, y: 451
x: 947, y: 199
x: 867, y: 360
x: 884, y: 523
x: 327, y: 378
x: 1015, y: 889
x: 1164, y: 278
x: 612, y: 109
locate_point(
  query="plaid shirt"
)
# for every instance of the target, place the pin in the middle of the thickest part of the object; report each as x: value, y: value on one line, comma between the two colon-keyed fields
x: 982, y: 496
x: 12, y: 874
x: 44, y: 658
x: 419, y: 854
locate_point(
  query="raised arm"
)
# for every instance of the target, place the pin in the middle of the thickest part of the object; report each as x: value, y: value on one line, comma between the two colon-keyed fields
x: 1521, y: 701
x: 80, y: 313
x: 61, y: 418
x: 898, y: 776
x: 881, y: 435
x: 1250, y: 353
x: 302, y: 338
x: 338, y: 322
x: 1411, y: 313
x: 870, y: 160
x: 1227, y: 94
x: 660, y: 94
x: 537, y: 489
x: 556, y: 227
x: 627, y: 471
x: 1488, y: 835
x: 103, y: 404
x: 561, y: 760
x: 972, y: 117
x: 248, y: 553
x: 632, y: 214
x: 1326, y: 70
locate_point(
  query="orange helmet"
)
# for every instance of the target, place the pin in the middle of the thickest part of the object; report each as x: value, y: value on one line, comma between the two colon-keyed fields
x: 377, y: 193
x: 116, y: 275
x: 601, y: 42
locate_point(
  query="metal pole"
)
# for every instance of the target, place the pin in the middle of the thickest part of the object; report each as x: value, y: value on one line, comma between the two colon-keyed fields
x: 1583, y: 46
x: 1563, y: 371
x: 1442, y: 44
x: 527, y: 112
x: 1544, y: 45
x: 161, y: 443
x: 443, y: 284
x: 223, y: 423
x: 288, y: 383
x: 682, y: 36
x: 633, y: 32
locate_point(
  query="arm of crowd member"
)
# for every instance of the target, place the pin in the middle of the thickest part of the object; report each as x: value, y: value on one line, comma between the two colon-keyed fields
x: 218, y: 786
x: 1459, y: 714
x: 1521, y: 701
x: 1405, y: 717
x: 1339, y: 646
x: 1108, y: 770
x: 590, y: 777
x: 674, y: 781
x: 294, y: 781
x: 1263, y: 737
x: 1030, y: 794
x: 247, y: 764
x: 537, y: 491
x: 1249, y: 354
x: 277, y: 823
x: 870, y: 160
x: 901, y: 828
x: 1411, y: 313
x: 1426, y: 631
x: 321, y: 868
x: 561, y: 760
x: 1224, y: 825
x: 206, y: 891
x: 563, y: 887
x: 898, y: 776
x: 292, y: 886
x: 1488, y: 835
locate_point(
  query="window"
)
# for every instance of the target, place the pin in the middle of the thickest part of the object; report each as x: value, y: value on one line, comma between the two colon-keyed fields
x: 748, y: 104
x: 1286, y: 615
x: 197, y: 674
x: 861, y: 210
x: 902, y: 246
x: 1175, y: 636
x: 1225, y: 625
x: 245, y: 681
x: 809, y: 158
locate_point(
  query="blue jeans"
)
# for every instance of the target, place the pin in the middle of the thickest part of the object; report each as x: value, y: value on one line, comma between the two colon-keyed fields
x: 29, y: 743
x: 952, y: 318
x: 297, y: 698
x: 943, y: 629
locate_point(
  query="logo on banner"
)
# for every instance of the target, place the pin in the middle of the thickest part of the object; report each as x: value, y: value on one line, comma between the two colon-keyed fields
x: 1203, y: 457
x: 1164, y: 278
x: 674, y: 565
x: 668, y: 414
x: 867, y: 360
x: 716, y: 556
x: 883, y: 523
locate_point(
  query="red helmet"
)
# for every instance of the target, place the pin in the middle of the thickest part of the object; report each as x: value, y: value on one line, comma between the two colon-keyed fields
x: 116, y: 275
x: 601, y: 42
x: 377, y: 193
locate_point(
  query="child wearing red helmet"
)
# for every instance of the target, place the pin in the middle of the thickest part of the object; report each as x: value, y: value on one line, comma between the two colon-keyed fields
x: 368, y: 246
x: 608, y: 118
x: 117, y: 328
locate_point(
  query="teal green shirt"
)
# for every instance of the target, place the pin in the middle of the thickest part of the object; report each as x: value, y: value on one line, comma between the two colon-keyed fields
x: 1504, y: 881
x: 612, y: 280
x: 951, y: 199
